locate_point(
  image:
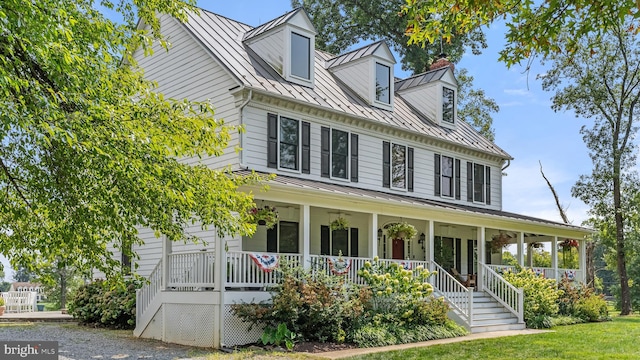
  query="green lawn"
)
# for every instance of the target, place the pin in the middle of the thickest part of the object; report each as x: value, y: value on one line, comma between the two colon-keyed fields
x: 617, y: 339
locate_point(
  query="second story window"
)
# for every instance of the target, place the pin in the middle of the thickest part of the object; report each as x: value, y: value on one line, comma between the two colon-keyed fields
x: 288, y: 143
x: 448, y: 104
x: 447, y: 176
x: 383, y: 83
x: 339, y: 154
x: 478, y: 183
x: 397, y: 166
x: 300, y: 56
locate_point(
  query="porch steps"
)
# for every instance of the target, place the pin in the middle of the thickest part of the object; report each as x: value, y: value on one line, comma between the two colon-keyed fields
x: 490, y: 315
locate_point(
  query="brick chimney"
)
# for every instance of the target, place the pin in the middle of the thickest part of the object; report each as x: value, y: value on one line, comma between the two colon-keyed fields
x: 442, y: 62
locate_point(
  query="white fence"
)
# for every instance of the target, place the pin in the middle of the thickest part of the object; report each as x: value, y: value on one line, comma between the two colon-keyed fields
x: 547, y: 273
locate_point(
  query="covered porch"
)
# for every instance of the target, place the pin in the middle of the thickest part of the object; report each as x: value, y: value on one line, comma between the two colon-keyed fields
x: 449, y: 236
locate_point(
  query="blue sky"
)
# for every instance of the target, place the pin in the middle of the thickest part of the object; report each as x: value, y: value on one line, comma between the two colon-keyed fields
x: 526, y: 127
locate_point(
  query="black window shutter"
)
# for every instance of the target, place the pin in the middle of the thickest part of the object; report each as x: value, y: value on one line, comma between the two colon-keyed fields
x: 457, y: 170
x: 458, y: 250
x: 386, y: 164
x: 436, y: 174
x: 470, y: 181
x: 325, y: 152
x: 324, y: 240
x: 272, y: 239
x: 354, y: 242
x: 272, y: 140
x: 306, y: 147
x: 354, y: 157
x: 488, y: 185
x: 410, y: 168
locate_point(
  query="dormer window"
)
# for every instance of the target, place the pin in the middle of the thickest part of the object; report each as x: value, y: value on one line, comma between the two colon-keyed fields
x: 448, y: 105
x: 383, y: 81
x: 300, y: 56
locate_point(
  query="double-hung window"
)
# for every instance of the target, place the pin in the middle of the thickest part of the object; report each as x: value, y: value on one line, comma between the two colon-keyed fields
x: 447, y: 176
x: 339, y: 154
x: 478, y: 183
x: 288, y: 143
x: 397, y: 166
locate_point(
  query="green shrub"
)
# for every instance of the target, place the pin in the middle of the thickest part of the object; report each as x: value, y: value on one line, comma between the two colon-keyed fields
x: 563, y: 320
x: 317, y: 308
x: 578, y: 300
x: 540, y: 297
x: 372, y: 335
x: 592, y: 308
x: 400, y: 296
x: 106, y: 303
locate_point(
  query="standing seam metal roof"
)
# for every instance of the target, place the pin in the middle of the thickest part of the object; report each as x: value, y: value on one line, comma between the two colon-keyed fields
x: 223, y: 37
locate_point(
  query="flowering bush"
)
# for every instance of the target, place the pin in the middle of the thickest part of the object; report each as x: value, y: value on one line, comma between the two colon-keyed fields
x: 540, y: 297
x: 266, y: 215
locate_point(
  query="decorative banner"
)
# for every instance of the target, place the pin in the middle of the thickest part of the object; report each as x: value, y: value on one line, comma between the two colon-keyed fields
x: 265, y: 262
x: 570, y: 274
x: 339, y: 266
x: 407, y: 265
x: 538, y: 271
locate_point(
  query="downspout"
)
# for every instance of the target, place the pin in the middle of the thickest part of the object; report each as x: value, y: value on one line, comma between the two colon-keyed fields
x: 508, y: 164
x: 240, y: 113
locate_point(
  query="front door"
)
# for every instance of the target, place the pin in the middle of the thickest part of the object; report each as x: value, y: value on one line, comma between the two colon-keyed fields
x: 397, y: 251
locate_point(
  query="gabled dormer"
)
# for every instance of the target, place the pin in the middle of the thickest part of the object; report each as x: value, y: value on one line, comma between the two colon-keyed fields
x: 287, y: 44
x: 434, y: 93
x: 369, y: 72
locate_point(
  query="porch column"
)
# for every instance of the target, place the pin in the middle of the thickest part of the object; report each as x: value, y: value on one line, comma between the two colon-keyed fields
x: 520, y: 253
x: 219, y: 280
x: 373, y: 236
x: 481, y: 256
x: 554, y: 256
x: 305, y: 234
x: 431, y: 244
x: 167, y: 248
x: 582, y: 259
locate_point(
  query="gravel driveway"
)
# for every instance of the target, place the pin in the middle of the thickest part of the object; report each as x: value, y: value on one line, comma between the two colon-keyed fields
x: 82, y: 343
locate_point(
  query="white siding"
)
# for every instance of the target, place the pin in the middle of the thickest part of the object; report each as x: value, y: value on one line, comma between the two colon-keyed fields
x: 270, y: 48
x: 369, y: 160
x: 188, y: 71
x: 357, y: 76
x: 425, y: 99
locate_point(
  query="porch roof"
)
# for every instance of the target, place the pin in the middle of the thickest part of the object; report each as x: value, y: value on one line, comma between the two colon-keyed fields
x: 348, y: 191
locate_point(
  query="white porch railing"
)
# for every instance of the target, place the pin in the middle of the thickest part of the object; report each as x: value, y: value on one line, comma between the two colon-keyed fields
x: 148, y: 291
x: 548, y: 273
x: 323, y: 263
x: 459, y: 296
x: 194, y: 269
x: 508, y: 295
x: 242, y: 271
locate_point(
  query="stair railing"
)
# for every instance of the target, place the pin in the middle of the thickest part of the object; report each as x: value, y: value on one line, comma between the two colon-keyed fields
x: 459, y: 296
x: 148, y: 291
x: 500, y: 289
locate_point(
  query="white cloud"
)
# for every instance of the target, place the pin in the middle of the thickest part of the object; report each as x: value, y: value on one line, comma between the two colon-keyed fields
x: 518, y: 92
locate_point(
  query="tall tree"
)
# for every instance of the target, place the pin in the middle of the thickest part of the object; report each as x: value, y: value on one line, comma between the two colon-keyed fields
x: 533, y: 27
x: 343, y: 23
x: 89, y: 147
x: 601, y: 80
x: 22, y: 275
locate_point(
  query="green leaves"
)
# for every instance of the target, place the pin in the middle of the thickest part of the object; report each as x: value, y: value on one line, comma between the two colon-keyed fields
x: 90, y: 150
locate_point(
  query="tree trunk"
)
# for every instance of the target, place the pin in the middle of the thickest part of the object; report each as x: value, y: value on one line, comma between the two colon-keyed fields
x: 590, y: 275
x: 625, y: 294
